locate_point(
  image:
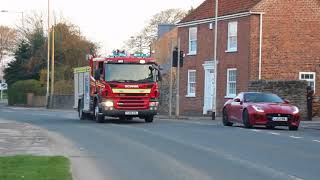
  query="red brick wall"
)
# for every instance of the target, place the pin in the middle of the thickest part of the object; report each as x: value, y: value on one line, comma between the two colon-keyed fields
x: 291, y: 39
x: 239, y: 60
x: 204, y: 53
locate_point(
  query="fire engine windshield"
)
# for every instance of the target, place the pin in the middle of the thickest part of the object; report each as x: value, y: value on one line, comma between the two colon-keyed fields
x: 130, y: 73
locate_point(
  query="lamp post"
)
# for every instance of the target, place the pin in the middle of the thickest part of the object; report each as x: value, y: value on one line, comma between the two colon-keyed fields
x: 214, y: 112
x: 20, y: 12
x: 48, y: 58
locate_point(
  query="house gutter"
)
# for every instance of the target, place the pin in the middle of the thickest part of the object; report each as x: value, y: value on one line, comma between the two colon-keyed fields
x: 210, y: 20
x: 260, y: 41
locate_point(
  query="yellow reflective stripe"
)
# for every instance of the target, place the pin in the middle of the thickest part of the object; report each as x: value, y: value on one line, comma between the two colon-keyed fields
x: 81, y: 69
x: 131, y: 90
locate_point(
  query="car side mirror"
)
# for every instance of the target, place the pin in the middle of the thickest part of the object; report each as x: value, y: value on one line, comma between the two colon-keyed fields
x: 286, y: 101
x: 97, y: 74
x: 159, y: 76
x: 237, y: 100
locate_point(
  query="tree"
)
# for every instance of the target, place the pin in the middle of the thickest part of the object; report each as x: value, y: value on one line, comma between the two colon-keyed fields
x: 7, y: 41
x: 16, y: 69
x: 148, y: 34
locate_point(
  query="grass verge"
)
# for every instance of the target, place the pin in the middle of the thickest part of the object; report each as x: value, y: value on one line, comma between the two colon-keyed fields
x: 34, y: 167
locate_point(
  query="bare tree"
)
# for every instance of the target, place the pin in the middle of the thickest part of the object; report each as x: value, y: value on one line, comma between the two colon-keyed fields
x: 7, y: 41
x: 148, y: 34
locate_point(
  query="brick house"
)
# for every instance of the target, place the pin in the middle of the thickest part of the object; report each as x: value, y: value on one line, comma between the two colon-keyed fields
x: 257, y: 39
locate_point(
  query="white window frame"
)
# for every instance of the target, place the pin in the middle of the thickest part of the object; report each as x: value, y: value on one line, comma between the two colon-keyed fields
x: 194, y: 52
x: 191, y: 94
x: 309, y: 80
x: 228, y: 95
x: 229, y: 48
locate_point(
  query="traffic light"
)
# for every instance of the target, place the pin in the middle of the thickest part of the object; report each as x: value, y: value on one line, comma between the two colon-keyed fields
x: 175, y: 58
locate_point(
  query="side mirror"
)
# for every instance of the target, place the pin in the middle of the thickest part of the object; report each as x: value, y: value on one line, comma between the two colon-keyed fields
x: 237, y: 100
x: 97, y: 74
x: 159, y: 76
x: 286, y: 101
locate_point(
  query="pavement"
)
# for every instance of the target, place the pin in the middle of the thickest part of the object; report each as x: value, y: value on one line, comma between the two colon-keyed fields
x: 177, y: 149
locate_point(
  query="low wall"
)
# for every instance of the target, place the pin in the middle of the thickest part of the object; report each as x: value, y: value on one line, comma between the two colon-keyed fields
x: 35, y: 101
x: 294, y: 91
x: 63, y: 102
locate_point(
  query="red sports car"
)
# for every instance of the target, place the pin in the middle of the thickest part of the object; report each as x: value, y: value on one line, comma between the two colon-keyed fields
x: 255, y: 108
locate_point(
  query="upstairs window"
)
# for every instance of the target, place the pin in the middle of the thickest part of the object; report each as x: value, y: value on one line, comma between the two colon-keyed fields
x: 232, y: 36
x: 192, y: 40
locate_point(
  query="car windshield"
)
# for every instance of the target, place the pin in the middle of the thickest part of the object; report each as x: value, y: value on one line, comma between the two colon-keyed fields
x: 130, y: 73
x: 262, y: 97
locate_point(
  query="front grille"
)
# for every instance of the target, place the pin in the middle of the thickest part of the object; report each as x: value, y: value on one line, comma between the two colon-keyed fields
x: 131, y: 103
x: 270, y: 116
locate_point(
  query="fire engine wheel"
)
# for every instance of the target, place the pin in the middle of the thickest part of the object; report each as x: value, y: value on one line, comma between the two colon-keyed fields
x: 98, y: 116
x: 148, y: 119
x: 81, y: 114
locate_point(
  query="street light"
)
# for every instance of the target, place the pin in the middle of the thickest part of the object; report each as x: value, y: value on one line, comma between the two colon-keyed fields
x: 20, y: 12
x: 214, y: 113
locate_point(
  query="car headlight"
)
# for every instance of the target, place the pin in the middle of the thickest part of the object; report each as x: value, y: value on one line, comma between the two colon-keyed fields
x: 257, y: 108
x: 107, y: 103
x: 295, y: 110
x: 154, y: 104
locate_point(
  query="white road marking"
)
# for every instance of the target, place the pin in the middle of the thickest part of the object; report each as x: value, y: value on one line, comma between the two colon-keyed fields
x: 255, y: 130
x: 296, y: 137
x: 316, y: 141
x: 273, y: 133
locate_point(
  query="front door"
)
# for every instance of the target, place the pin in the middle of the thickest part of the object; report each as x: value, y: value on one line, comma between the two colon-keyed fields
x: 208, y: 90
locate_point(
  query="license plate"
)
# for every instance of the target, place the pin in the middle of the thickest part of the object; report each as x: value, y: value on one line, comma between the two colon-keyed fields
x: 279, y: 119
x: 131, y: 113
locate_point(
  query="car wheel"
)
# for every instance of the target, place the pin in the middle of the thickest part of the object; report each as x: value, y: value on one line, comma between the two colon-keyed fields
x: 245, y: 119
x: 148, y: 119
x: 225, y: 118
x: 99, y: 117
x: 293, y: 128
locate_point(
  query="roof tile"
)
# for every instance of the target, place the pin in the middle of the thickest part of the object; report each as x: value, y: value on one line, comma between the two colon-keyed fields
x: 207, y: 9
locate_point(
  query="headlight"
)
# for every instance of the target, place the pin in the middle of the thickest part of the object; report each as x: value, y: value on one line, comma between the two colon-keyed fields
x: 154, y: 104
x: 257, y: 108
x: 107, y: 103
x: 295, y: 110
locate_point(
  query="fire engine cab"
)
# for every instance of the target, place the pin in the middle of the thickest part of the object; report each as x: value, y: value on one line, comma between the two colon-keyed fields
x: 117, y: 86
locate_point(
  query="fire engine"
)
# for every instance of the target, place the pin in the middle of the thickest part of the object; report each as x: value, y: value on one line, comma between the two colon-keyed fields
x: 117, y: 86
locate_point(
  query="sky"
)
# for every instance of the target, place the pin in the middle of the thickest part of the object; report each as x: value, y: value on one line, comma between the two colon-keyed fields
x: 107, y: 22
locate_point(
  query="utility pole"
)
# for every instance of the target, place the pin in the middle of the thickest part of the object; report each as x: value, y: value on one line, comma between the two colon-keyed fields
x: 171, y: 79
x: 178, y: 82
x: 214, y: 112
x: 52, y: 68
x: 48, y: 57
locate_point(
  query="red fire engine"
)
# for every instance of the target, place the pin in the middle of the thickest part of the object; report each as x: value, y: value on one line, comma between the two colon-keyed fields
x: 117, y: 86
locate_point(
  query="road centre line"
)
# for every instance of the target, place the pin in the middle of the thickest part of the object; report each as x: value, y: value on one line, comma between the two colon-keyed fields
x: 273, y: 133
x: 255, y: 130
x: 296, y: 137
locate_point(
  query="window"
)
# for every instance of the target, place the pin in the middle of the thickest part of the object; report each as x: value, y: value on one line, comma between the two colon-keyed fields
x: 310, y: 77
x: 191, y: 83
x: 231, y: 83
x: 232, y: 36
x: 193, y: 40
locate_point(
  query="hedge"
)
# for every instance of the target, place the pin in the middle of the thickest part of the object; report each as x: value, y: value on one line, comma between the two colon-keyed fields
x: 17, y: 92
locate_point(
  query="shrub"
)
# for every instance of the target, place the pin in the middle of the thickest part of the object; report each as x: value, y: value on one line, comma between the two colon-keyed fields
x: 63, y: 87
x: 17, y: 92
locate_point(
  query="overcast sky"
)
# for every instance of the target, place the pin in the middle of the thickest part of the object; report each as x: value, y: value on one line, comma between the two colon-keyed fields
x: 108, y: 22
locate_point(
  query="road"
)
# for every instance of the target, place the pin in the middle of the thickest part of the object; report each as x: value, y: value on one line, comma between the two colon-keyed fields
x: 181, y: 149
